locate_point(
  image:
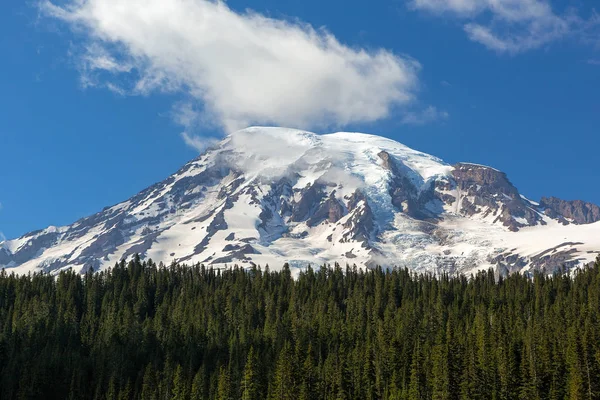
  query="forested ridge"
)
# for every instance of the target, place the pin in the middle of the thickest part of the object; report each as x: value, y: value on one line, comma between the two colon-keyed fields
x: 142, y: 331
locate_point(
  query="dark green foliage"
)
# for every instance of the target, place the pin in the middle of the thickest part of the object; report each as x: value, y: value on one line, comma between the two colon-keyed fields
x: 251, y: 381
x: 141, y: 331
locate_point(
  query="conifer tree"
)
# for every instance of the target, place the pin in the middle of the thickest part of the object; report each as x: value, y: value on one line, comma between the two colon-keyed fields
x: 224, y: 391
x: 284, y: 387
x: 199, y: 385
x: 179, y: 390
x: 440, y: 373
x: 251, y: 380
x: 416, y: 390
x: 149, y: 384
x: 308, y: 385
x: 575, y: 382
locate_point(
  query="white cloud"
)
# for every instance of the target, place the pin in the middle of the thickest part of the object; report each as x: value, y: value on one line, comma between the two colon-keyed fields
x: 97, y: 58
x: 243, y: 68
x: 200, y: 143
x: 192, y: 120
x: 463, y: 7
x: 425, y: 116
x: 594, y: 62
x: 509, y: 26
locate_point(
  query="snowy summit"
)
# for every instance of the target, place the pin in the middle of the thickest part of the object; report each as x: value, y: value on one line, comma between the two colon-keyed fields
x: 275, y: 195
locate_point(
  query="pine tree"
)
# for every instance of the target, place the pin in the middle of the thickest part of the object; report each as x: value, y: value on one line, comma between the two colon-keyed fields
x: 417, y: 387
x: 251, y: 380
x: 368, y: 375
x: 199, y: 386
x: 441, y: 378
x: 112, y: 391
x: 308, y: 385
x: 149, y: 384
x: 575, y: 382
x: 126, y: 392
x: 224, y: 386
x: 179, y: 390
x: 284, y: 387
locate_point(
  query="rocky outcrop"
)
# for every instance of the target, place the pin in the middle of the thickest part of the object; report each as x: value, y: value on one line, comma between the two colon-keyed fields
x: 360, y: 225
x: 104, y: 244
x: 355, y: 199
x: 562, y: 256
x: 576, y: 211
x: 310, y: 197
x: 494, y: 181
x: 37, y: 243
x: 423, y: 203
x: 330, y: 210
x: 403, y: 192
x: 217, y: 224
x: 237, y: 253
x: 486, y: 191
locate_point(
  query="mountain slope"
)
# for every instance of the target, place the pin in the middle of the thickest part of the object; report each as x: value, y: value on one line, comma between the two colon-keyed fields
x: 274, y: 195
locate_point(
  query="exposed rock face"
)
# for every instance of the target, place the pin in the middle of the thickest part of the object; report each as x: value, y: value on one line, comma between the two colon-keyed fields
x: 487, y: 191
x: 360, y: 225
x: 406, y: 196
x: 355, y: 199
x: 236, y: 253
x: 481, y: 191
x: 562, y: 256
x: 36, y: 241
x: 330, y: 210
x: 104, y: 244
x: 576, y: 211
x: 309, y: 199
x: 492, y: 181
x: 403, y: 192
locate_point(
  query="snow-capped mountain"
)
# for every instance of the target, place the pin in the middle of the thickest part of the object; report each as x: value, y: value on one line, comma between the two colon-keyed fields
x: 274, y: 195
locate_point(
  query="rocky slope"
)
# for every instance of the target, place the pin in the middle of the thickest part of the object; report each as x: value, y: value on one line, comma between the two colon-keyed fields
x: 275, y: 195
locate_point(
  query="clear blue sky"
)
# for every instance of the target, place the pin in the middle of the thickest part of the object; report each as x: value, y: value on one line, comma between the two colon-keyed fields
x: 77, y: 134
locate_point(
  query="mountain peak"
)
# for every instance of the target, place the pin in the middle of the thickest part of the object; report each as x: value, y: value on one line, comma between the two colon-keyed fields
x: 267, y: 195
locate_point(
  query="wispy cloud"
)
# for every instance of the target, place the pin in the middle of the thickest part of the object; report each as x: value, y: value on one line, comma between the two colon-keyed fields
x: 194, y: 122
x: 425, y: 116
x: 510, y: 26
x: 197, y: 142
x: 240, y: 68
x: 593, y: 62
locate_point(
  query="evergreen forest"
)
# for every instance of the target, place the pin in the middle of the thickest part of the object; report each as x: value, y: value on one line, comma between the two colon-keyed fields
x: 147, y: 331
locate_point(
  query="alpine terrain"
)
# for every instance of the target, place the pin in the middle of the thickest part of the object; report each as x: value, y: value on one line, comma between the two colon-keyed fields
x: 267, y: 196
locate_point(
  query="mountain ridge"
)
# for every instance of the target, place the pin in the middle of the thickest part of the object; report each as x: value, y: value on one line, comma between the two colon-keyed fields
x: 275, y: 195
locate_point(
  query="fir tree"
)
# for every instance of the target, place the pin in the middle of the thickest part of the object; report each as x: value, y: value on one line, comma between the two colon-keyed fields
x: 251, y: 381
x: 179, y: 388
x: 224, y: 391
x: 284, y: 387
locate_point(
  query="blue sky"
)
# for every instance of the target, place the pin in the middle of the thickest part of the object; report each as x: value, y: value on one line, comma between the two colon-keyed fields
x: 96, y: 96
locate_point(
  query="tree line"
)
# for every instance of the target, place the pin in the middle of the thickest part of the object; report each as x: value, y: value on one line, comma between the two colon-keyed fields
x: 147, y: 331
